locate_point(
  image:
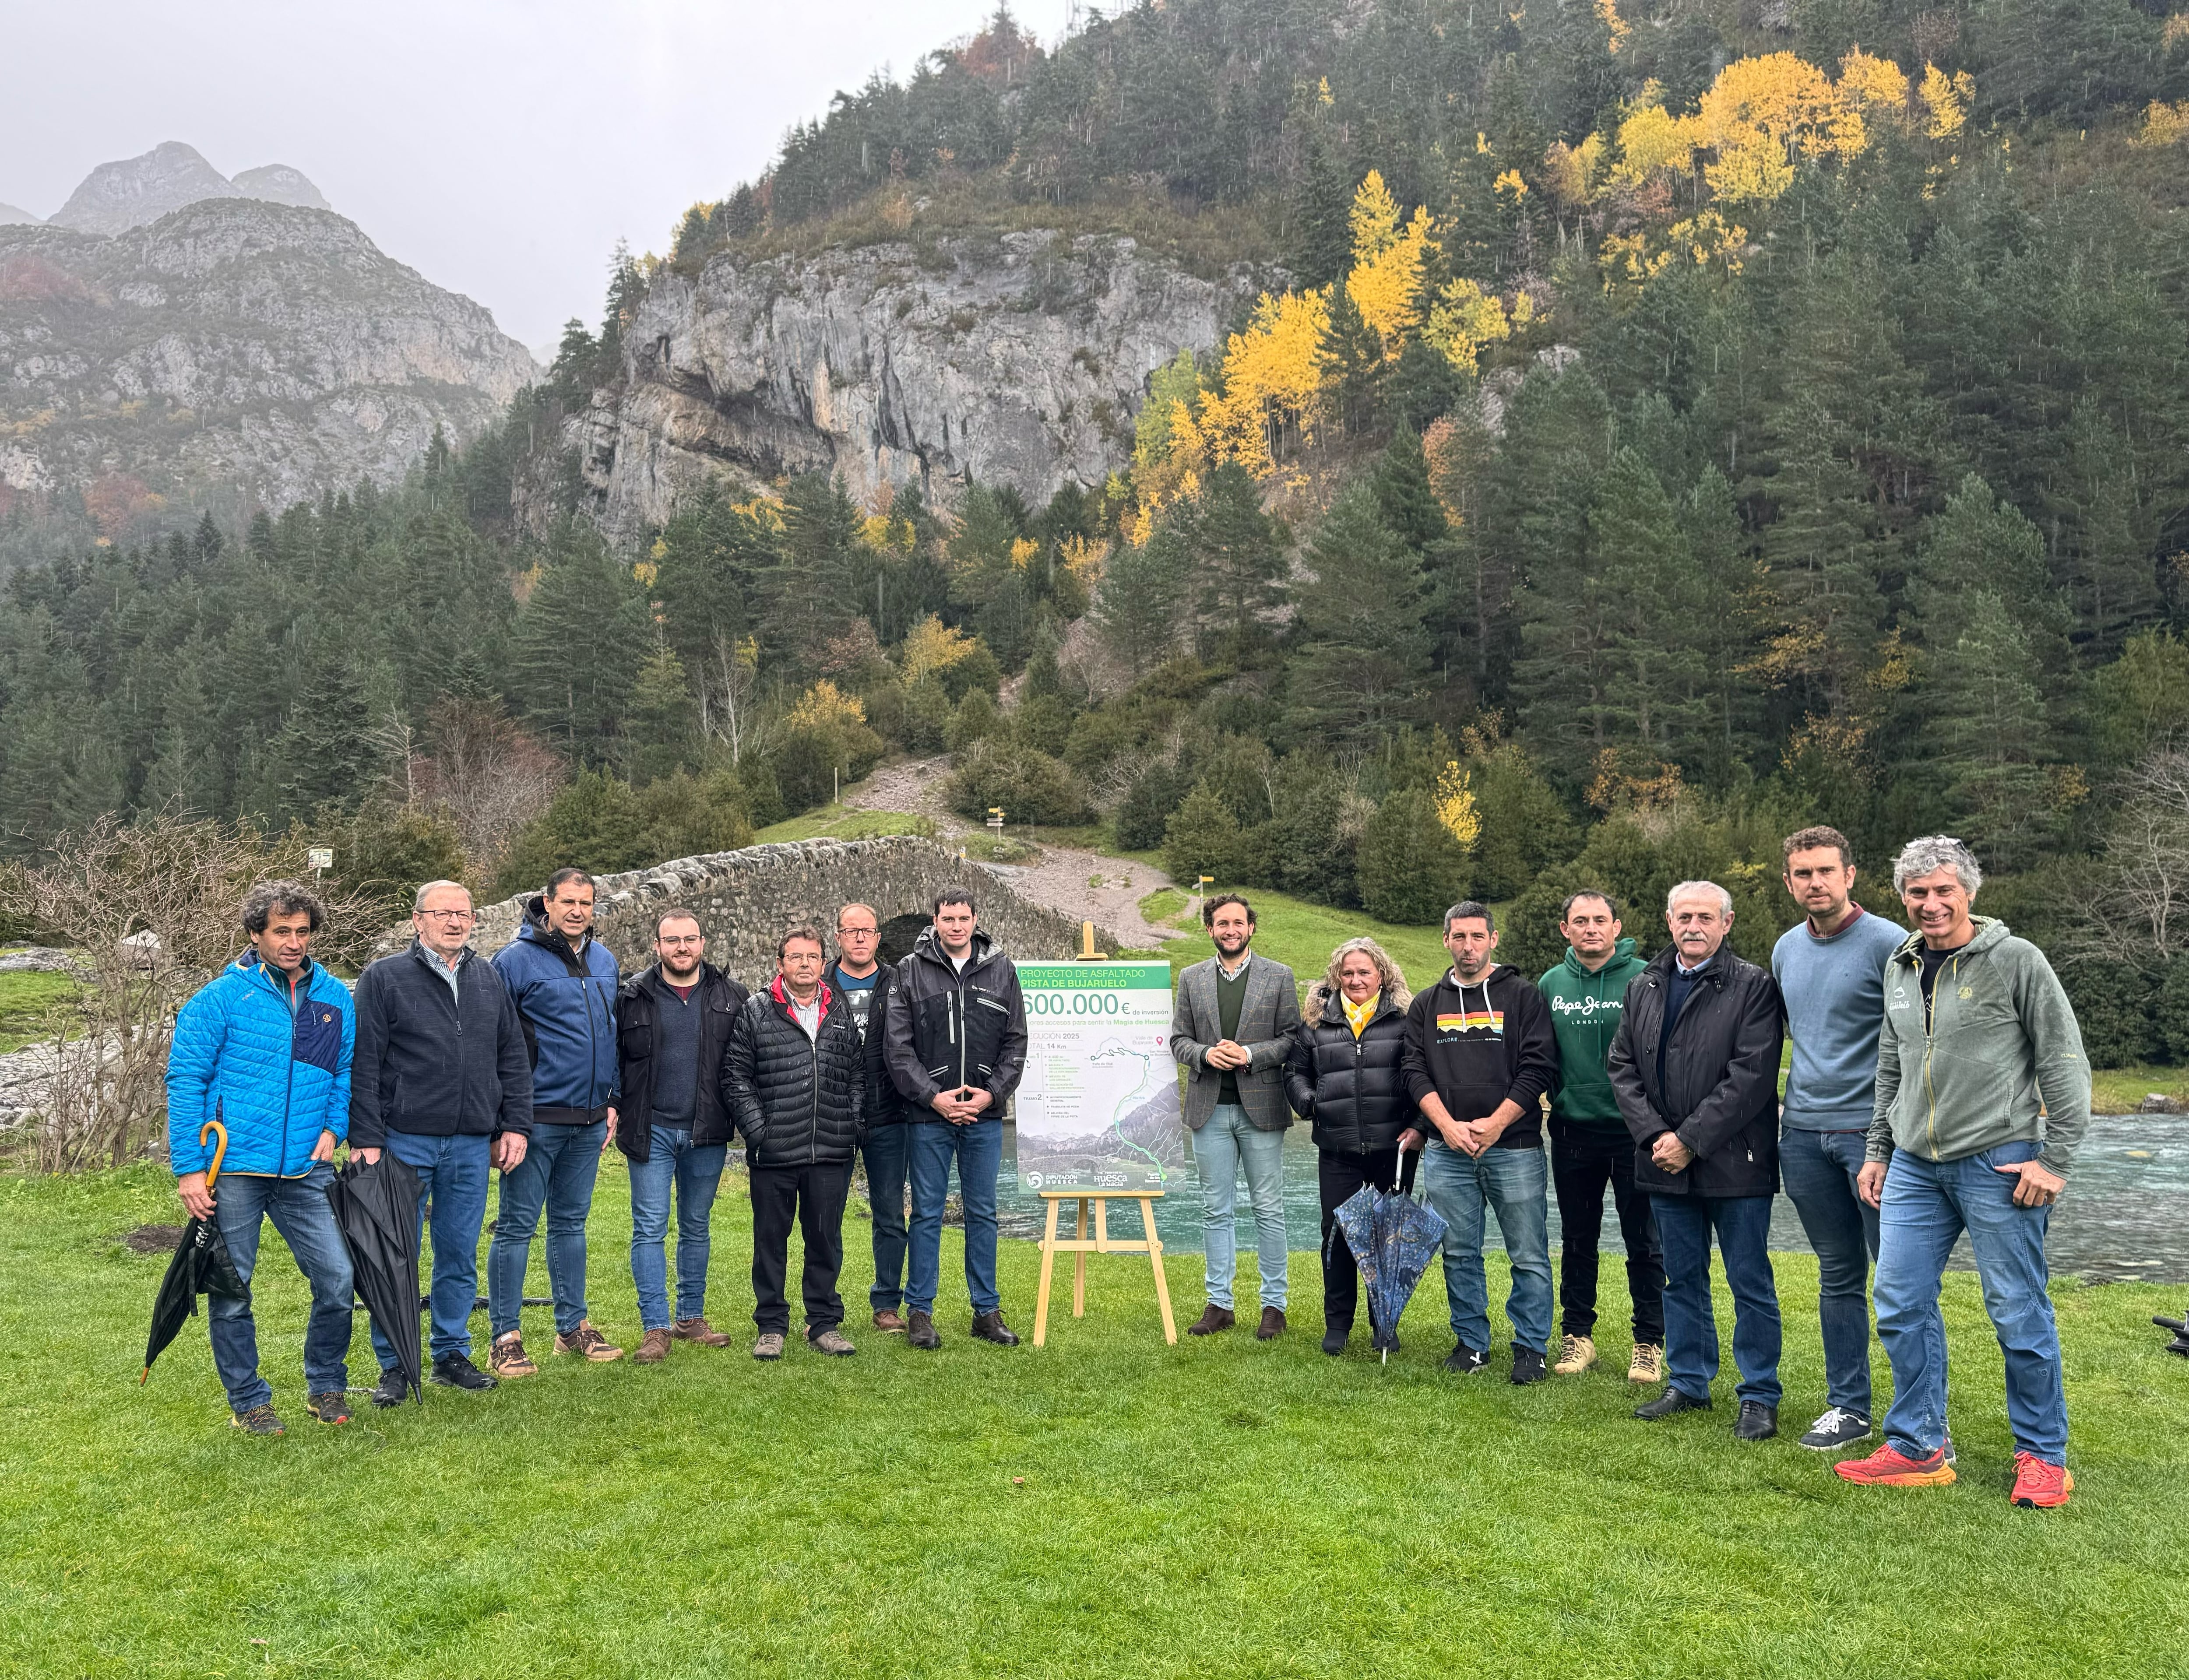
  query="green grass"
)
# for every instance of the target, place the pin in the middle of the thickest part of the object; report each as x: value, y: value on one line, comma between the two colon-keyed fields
x: 1302, y: 934
x: 2121, y: 1090
x: 1108, y: 1505
x: 837, y: 822
x: 28, y: 1004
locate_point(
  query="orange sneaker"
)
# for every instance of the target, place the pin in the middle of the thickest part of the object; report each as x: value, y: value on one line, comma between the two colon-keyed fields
x: 2038, y: 1485
x: 1889, y: 1467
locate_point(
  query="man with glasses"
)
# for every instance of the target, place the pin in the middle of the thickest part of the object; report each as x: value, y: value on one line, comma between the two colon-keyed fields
x: 865, y: 985
x: 441, y: 1083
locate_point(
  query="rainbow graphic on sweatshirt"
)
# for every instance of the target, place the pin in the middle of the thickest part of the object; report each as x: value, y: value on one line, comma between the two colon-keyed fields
x: 1473, y: 1020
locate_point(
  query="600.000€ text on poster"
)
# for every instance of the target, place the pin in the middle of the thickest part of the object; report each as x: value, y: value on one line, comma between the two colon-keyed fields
x: 1098, y: 1107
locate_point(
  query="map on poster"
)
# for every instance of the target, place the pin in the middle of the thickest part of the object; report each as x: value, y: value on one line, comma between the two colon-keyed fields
x: 1099, y: 1104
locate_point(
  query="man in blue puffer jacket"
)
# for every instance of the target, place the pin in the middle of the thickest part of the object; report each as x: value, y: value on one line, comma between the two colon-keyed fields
x: 264, y: 1048
x: 563, y: 982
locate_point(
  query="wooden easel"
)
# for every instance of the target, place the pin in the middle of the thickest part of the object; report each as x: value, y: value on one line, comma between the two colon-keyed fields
x: 1080, y: 1247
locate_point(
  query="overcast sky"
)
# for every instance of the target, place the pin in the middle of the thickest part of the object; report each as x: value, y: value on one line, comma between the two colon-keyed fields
x: 500, y: 147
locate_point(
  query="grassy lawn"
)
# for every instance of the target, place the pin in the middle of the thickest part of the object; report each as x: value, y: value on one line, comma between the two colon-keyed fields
x: 1302, y: 934
x: 28, y: 1003
x: 1108, y: 1505
x: 2121, y: 1090
x: 838, y: 822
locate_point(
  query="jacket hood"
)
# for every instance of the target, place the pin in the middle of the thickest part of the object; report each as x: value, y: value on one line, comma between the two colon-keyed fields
x: 1320, y: 996
x: 1501, y: 974
x: 930, y: 946
x: 536, y: 927
x: 1620, y: 953
x: 1989, y: 931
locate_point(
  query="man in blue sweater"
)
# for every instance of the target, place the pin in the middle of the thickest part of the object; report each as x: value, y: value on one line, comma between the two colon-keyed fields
x: 1830, y: 967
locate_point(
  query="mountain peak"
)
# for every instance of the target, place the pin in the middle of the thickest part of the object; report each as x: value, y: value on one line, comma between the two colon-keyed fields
x: 279, y: 184
x: 117, y: 196
x: 11, y: 217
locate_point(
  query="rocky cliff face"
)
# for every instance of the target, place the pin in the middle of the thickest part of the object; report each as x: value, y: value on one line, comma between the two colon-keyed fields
x: 1014, y: 359
x: 236, y: 346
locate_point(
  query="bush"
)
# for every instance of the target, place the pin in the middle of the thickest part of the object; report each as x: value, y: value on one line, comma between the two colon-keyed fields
x: 602, y: 824
x: 1313, y: 841
x: 975, y: 720
x: 2174, y: 1010
x: 1144, y: 817
x: 386, y: 851
x: 926, y: 715
x: 825, y: 737
x: 1203, y: 838
x: 1043, y: 722
x: 1030, y: 786
x: 1524, y: 825
x: 1413, y: 869
x: 2115, y: 1005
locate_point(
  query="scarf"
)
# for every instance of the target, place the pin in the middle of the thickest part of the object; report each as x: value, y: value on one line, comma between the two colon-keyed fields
x: 1358, y: 1015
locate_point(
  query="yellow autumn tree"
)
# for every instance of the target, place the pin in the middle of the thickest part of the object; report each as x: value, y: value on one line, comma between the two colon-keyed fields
x: 1651, y: 138
x: 1272, y: 377
x: 2164, y: 125
x: 1462, y: 320
x: 931, y: 647
x: 1455, y: 806
x: 1946, y: 98
x: 825, y: 706
x: 1386, y: 281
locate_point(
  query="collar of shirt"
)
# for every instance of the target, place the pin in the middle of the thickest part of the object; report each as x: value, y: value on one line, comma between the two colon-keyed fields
x: 1232, y: 971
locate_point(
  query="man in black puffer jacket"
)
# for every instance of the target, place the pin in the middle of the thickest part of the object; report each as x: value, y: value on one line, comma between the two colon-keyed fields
x: 794, y: 1081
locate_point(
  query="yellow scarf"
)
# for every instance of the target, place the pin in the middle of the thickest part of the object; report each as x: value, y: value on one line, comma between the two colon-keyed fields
x: 1358, y: 1015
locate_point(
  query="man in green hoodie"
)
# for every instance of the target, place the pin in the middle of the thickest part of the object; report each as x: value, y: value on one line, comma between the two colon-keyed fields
x: 1590, y: 1145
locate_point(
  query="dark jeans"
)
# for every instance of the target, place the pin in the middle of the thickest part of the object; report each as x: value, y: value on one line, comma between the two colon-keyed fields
x: 694, y: 1172
x: 812, y: 1198
x: 1339, y: 1176
x: 978, y: 1149
x: 452, y: 1174
x: 1742, y: 1224
x: 299, y: 1210
x: 556, y: 1177
x: 1819, y: 1170
x: 1584, y: 1159
x: 888, y: 1150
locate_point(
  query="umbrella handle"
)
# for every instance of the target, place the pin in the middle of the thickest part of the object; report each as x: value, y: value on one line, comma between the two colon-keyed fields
x: 214, y: 1128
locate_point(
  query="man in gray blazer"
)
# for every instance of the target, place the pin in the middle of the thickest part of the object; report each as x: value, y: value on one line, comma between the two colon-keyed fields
x: 1229, y: 1028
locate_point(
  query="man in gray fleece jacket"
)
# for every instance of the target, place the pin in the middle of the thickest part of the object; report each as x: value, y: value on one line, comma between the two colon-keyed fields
x: 1982, y: 1094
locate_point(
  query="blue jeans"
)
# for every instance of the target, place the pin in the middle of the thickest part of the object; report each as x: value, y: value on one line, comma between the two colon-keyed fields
x: 1927, y: 1205
x: 1743, y: 1224
x: 1819, y: 1170
x: 452, y: 1174
x: 1227, y: 1140
x: 888, y: 1152
x: 555, y: 1177
x: 696, y: 1172
x: 1513, y: 1182
x: 299, y: 1210
x: 978, y: 1149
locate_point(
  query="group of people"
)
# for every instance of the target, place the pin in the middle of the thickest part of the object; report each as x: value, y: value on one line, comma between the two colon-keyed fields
x: 1937, y: 1085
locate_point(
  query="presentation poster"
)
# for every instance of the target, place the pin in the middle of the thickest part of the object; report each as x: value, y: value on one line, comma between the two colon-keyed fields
x: 1098, y: 1105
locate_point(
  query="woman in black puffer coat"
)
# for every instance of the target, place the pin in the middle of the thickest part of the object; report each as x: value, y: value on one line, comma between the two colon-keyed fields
x: 1341, y: 1075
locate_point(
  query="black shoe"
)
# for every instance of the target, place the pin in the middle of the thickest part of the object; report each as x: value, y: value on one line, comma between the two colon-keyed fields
x: 1465, y: 1361
x: 920, y: 1330
x: 1335, y: 1337
x: 1671, y: 1401
x: 1528, y: 1366
x: 454, y: 1371
x: 991, y: 1327
x: 392, y: 1389
x: 1757, y: 1422
x: 1837, y: 1428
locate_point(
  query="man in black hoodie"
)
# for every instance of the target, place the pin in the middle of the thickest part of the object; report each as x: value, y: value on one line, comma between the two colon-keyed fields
x: 1480, y: 1053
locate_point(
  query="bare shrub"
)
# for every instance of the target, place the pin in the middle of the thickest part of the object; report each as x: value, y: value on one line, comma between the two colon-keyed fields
x: 487, y: 774
x: 2139, y: 906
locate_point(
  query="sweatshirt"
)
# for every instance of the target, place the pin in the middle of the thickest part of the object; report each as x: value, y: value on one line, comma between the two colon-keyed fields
x: 1477, y: 1045
x: 1835, y: 992
x: 1586, y: 1010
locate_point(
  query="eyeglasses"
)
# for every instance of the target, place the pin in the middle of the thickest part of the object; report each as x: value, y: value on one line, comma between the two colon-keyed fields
x: 447, y: 915
x: 858, y: 932
x: 687, y: 939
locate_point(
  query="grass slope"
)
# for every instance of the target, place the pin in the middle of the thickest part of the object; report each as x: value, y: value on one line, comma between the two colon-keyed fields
x: 1106, y: 1505
x: 1302, y: 934
x: 30, y: 1006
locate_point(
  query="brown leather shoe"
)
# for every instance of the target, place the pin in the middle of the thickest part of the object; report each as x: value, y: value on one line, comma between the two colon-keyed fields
x: 889, y: 1323
x: 1272, y: 1325
x: 698, y: 1330
x: 1214, y: 1318
x: 653, y: 1348
x: 588, y: 1341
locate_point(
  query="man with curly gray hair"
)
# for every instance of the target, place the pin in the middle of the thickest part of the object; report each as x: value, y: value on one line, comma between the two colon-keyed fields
x: 1982, y: 1094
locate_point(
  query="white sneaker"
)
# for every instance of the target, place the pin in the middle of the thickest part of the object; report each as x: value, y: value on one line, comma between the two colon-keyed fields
x: 1837, y: 1428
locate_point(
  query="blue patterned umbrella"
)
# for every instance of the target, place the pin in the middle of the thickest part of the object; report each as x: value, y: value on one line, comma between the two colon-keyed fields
x: 1393, y: 1238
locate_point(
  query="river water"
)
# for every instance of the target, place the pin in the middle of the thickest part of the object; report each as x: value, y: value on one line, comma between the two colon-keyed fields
x: 2125, y: 1214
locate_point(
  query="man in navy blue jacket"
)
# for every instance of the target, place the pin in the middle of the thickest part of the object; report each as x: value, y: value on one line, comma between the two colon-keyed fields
x: 563, y: 982
x: 441, y: 1082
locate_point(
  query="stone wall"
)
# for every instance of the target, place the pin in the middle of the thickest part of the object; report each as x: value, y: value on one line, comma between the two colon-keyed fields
x: 745, y: 899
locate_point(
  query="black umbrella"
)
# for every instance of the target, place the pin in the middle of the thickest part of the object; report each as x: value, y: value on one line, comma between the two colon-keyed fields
x: 377, y: 1211
x: 201, y: 1266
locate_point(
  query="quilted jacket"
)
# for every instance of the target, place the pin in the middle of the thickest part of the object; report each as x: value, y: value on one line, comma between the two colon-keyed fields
x: 275, y: 1079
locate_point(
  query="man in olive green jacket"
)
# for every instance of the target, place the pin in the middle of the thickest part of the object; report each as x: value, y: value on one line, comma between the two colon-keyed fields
x: 1982, y: 1094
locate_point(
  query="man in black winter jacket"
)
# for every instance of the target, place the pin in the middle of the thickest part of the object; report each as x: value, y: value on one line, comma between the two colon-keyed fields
x: 866, y: 986
x: 1480, y: 1053
x: 957, y: 1043
x: 793, y: 1080
x: 441, y: 1080
x: 1695, y: 1067
x: 672, y: 1029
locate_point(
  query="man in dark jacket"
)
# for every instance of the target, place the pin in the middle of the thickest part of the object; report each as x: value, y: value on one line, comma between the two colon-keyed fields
x: 957, y: 1043
x: 441, y: 1082
x: 793, y: 1080
x: 564, y: 983
x: 1480, y: 1056
x: 672, y: 1028
x: 1695, y: 1068
x: 865, y: 985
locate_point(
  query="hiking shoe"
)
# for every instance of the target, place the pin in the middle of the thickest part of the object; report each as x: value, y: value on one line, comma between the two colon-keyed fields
x: 1648, y: 1365
x: 1272, y: 1325
x: 1575, y: 1355
x: 1889, y: 1467
x: 889, y: 1322
x: 1837, y: 1428
x: 456, y: 1371
x: 991, y: 1327
x: 920, y: 1330
x: 1212, y: 1319
x: 507, y: 1358
x: 330, y: 1407
x: 1757, y: 1422
x: 1671, y: 1402
x: 832, y: 1342
x: 2038, y: 1485
x: 769, y: 1346
x: 392, y: 1388
x: 1465, y: 1361
x: 653, y: 1348
x: 258, y: 1421
x: 1527, y: 1367
x: 698, y: 1330
x: 588, y: 1341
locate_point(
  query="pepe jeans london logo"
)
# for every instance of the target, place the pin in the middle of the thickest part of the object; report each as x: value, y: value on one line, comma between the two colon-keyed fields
x: 1585, y: 1007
